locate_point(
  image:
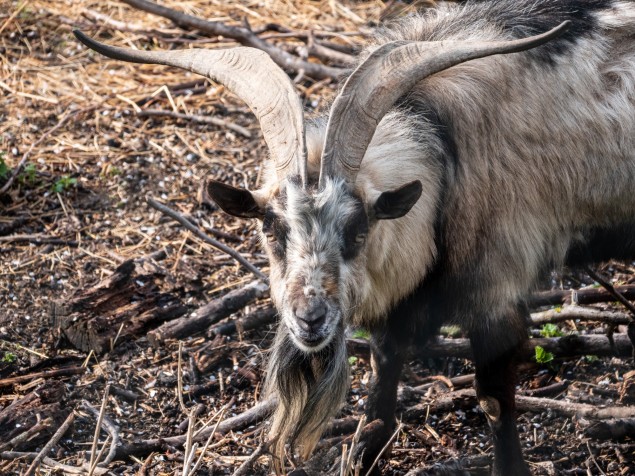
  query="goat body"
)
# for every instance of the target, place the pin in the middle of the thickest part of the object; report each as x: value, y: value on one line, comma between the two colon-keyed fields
x: 446, y: 203
x: 526, y: 161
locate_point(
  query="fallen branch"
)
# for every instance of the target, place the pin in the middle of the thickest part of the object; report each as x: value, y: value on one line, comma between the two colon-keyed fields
x: 67, y: 371
x: 197, y: 118
x: 107, y: 424
x: 242, y: 35
x: 257, y: 319
x: 612, y: 291
x: 208, y: 239
x: 614, y: 429
x: 567, y: 346
x: 39, y: 240
x: 244, y: 468
x: 52, y: 442
x: 123, y: 305
x: 578, y: 296
x: 579, y: 313
x: 467, y: 399
x: 34, y: 430
x: 209, y: 314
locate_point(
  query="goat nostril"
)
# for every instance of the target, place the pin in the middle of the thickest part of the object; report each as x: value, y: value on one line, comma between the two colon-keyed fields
x: 312, y: 319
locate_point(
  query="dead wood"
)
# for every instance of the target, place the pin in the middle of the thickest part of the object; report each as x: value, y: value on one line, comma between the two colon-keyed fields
x: 50, y: 444
x: 567, y: 346
x: 5, y: 382
x: 15, y: 443
x: 121, y: 306
x: 550, y: 390
x: 579, y: 296
x: 243, y: 35
x: 614, y: 429
x: 467, y: 399
x: 612, y: 291
x: 107, y: 424
x: 38, y: 240
x: 251, y: 321
x: 579, y: 313
x: 47, y: 401
x: 209, y: 314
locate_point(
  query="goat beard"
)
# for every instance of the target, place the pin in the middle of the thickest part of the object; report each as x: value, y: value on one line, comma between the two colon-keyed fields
x: 310, y: 388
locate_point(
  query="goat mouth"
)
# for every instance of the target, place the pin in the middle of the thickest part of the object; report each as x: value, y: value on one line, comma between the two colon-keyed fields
x: 311, y: 342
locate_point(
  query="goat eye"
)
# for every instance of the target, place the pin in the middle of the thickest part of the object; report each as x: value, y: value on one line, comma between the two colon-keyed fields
x: 271, y: 238
x: 360, y: 238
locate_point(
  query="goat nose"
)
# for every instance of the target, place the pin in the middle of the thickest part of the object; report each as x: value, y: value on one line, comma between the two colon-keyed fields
x: 311, y: 318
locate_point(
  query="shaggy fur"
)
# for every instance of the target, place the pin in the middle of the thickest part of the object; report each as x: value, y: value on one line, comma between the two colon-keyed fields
x: 522, y: 157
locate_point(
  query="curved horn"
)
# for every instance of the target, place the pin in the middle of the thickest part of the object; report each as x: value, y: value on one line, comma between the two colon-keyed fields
x: 252, y: 76
x: 389, y: 73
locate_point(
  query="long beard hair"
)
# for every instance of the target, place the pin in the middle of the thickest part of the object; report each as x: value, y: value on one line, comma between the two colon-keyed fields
x: 310, y: 388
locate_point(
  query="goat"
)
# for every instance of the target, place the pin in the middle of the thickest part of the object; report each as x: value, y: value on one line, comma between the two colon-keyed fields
x: 467, y: 154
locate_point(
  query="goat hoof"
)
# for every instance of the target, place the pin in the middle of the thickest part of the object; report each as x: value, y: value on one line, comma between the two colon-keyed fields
x: 492, y: 409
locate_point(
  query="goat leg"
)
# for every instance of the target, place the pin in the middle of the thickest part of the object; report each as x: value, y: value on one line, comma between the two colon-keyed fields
x: 495, y: 356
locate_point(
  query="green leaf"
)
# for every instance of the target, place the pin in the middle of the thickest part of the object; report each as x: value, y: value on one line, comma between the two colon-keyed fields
x: 4, y: 168
x: 9, y: 358
x: 352, y: 359
x: 551, y: 330
x: 63, y: 183
x: 542, y: 356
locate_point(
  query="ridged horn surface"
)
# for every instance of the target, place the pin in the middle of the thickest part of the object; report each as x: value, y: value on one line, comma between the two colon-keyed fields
x: 390, y: 72
x: 253, y: 77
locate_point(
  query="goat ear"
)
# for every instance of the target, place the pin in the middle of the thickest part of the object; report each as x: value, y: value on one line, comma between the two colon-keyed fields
x: 396, y: 203
x: 238, y: 202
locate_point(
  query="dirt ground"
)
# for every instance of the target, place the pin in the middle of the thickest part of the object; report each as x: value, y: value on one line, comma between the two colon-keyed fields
x: 77, y: 211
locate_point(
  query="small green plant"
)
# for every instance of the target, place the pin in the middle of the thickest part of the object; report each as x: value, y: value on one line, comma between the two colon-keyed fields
x: 542, y: 356
x: 4, y: 168
x: 63, y: 184
x: 29, y: 175
x: 352, y: 360
x: 361, y: 334
x: 591, y: 358
x: 9, y: 358
x: 551, y: 330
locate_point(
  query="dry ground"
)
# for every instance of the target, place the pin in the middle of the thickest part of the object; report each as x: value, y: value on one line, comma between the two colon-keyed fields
x: 78, y: 210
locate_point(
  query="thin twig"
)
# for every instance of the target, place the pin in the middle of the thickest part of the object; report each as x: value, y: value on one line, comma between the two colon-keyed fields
x: 196, y: 118
x: 220, y: 415
x: 612, y: 291
x: 383, y: 450
x: 208, y: 239
x: 52, y: 442
x: 110, y: 427
x: 246, y: 466
x: 100, y: 418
